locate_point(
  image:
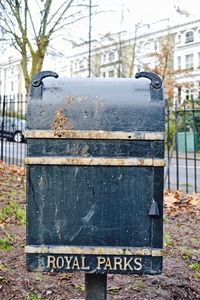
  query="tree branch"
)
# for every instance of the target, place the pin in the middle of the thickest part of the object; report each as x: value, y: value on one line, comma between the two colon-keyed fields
x: 60, y: 18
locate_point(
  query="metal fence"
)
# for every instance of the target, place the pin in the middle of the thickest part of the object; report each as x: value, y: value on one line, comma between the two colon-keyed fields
x: 12, y: 126
x: 182, y: 147
x: 182, y: 140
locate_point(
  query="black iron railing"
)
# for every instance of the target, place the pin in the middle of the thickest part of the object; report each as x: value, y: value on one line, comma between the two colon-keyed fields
x: 183, y: 146
x: 12, y: 127
x: 182, y: 140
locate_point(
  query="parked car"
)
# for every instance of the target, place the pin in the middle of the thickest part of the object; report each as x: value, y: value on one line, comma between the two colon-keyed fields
x: 12, y: 128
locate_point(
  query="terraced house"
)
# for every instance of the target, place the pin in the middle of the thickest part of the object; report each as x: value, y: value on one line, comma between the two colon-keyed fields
x: 172, y: 51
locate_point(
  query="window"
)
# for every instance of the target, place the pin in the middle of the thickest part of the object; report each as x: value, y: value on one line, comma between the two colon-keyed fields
x: 81, y: 64
x: 104, y: 74
x: 179, y: 62
x: 199, y: 89
x: 104, y: 58
x: 189, y: 61
x: 12, y: 86
x: 155, y: 45
x: 199, y: 34
x: 111, y: 73
x: 179, y: 94
x: 189, y: 94
x: 147, y: 47
x: 179, y: 39
x: 198, y: 61
x: 111, y: 56
x: 189, y: 37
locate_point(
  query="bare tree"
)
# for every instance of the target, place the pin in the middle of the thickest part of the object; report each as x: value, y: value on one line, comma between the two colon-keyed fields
x: 163, y: 58
x: 32, y: 24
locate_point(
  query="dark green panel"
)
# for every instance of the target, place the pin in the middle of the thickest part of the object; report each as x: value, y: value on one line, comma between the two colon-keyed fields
x: 157, y: 222
x: 92, y: 206
x: 95, y: 148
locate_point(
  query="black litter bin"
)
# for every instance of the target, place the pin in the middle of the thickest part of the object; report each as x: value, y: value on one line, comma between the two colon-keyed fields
x: 95, y: 174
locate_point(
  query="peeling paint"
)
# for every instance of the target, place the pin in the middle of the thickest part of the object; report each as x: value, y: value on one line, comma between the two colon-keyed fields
x: 61, y: 122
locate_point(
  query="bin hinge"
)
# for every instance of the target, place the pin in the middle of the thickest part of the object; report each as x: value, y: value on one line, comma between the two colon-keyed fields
x: 154, y: 211
x: 36, y: 87
x: 156, y: 82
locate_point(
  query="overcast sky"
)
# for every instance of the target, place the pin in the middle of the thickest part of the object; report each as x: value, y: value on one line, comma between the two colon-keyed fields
x: 135, y: 11
x: 147, y: 11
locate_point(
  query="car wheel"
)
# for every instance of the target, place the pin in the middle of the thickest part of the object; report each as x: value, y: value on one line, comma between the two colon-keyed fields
x: 18, y: 137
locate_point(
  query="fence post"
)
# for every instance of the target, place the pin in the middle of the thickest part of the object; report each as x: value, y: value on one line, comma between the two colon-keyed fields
x: 2, y: 125
x: 168, y: 146
x: 186, y: 158
x: 194, y: 139
x: 176, y: 141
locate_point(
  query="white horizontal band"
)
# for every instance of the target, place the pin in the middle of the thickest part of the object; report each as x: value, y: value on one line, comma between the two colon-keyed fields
x: 93, y: 134
x: 95, y: 161
x: 93, y: 250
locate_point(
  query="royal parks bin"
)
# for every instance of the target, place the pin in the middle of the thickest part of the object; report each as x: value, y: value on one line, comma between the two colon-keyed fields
x: 95, y: 174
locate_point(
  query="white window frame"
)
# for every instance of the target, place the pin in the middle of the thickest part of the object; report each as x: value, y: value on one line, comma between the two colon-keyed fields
x: 189, y: 37
x: 179, y: 62
x: 189, y: 61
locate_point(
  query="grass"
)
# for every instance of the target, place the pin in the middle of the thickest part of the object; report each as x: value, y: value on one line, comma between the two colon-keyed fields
x: 138, y: 285
x: 13, y: 209
x: 188, y: 252
x: 196, y: 268
x: 32, y: 296
x: 168, y: 242
x: 6, y: 243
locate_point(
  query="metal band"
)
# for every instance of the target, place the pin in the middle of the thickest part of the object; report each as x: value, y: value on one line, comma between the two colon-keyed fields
x: 93, y: 134
x: 33, y: 249
x: 95, y: 161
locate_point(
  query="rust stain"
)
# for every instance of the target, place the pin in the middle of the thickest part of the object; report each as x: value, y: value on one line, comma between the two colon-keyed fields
x: 141, y: 162
x: 60, y: 123
x: 70, y: 100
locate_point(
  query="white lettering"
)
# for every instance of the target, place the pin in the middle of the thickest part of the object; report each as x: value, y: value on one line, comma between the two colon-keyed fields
x: 51, y: 262
x: 83, y: 266
x: 138, y: 262
x: 108, y: 264
x: 68, y: 261
x: 100, y: 261
x: 75, y: 263
x: 127, y: 263
x: 117, y: 262
x: 60, y: 262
